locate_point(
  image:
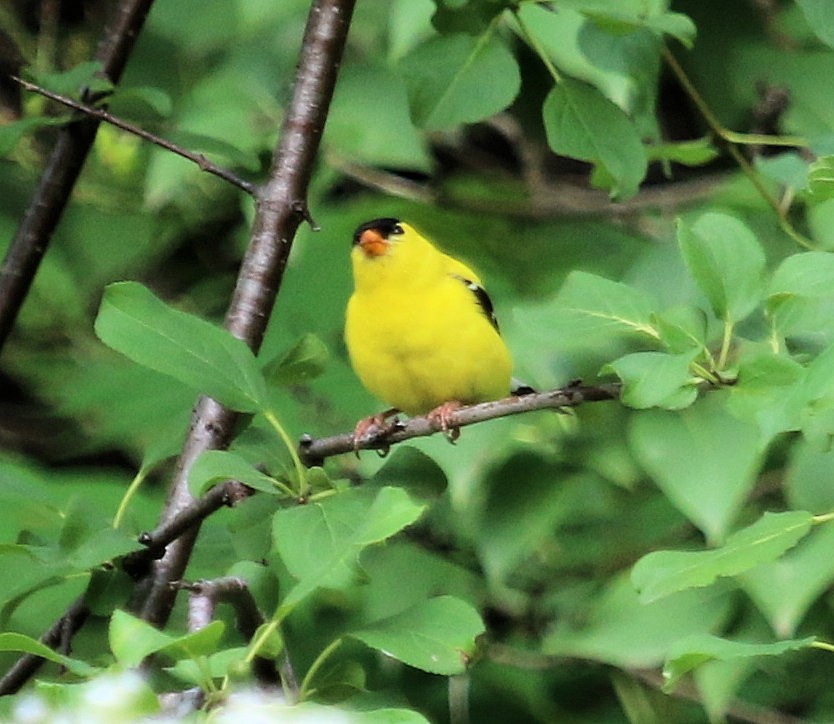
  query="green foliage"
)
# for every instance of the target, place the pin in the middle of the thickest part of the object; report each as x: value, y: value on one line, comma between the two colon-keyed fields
x: 583, y: 124
x: 436, y: 635
x: 210, y: 361
x: 663, y: 572
x: 444, y: 75
x: 534, y: 570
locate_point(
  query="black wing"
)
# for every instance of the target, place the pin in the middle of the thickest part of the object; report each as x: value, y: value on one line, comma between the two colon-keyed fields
x: 481, y: 296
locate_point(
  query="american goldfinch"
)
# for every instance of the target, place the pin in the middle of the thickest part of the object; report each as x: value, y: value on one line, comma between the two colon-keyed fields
x: 420, y: 329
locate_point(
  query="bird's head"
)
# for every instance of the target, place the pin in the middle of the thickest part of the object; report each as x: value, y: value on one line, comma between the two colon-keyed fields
x: 388, y: 253
x: 375, y: 238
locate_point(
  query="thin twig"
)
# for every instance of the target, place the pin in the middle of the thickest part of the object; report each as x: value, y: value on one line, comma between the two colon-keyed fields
x: 156, y: 541
x: 552, y: 199
x: 62, y: 170
x: 313, y: 451
x: 282, y: 207
x: 730, y: 141
x: 103, y: 115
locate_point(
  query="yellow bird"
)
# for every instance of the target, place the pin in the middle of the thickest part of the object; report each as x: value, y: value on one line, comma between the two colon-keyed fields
x: 420, y: 329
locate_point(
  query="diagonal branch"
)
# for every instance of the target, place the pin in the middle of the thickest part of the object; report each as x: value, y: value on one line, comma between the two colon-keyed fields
x: 282, y: 206
x: 62, y: 170
x: 60, y: 631
x: 102, y: 115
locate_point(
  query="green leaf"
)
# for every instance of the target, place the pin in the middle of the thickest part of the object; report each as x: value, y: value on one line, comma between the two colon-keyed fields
x: 663, y: 572
x: 71, y: 82
x: 624, y: 67
x: 620, y: 630
x: 156, y: 99
x: 710, y: 482
x: 437, y: 635
x: 134, y: 322
x: 466, y: 16
x: 414, y: 471
x: 320, y: 542
x: 682, y: 329
x: 726, y: 261
x: 595, y: 306
x: 762, y: 394
x: 132, y: 640
x: 821, y: 178
x: 215, y: 666
x: 785, y: 589
x: 807, y: 274
x: 11, y: 133
x: 788, y: 169
x: 391, y: 141
x: 800, y: 294
x: 445, y: 76
x: 655, y: 379
x: 696, y: 650
x: 626, y: 15
x: 27, y: 645
x: 305, y: 360
x: 209, y: 145
x: 808, y: 478
x: 818, y: 15
x: 582, y: 123
x: 217, y: 466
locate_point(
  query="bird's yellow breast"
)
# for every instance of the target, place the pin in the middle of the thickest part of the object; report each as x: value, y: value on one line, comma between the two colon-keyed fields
x: 416, y: 334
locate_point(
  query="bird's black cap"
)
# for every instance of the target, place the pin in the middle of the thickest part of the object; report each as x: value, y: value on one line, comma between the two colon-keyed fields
x: 385, y: 226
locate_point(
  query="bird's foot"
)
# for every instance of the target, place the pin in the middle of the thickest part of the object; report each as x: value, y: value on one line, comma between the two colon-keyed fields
x: 371, y: 427
x: 441, y: 414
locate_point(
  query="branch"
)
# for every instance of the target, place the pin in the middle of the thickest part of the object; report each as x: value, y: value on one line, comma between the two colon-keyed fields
x: 553, y: 199
x: 62, y: 170
x: 60, y: 633
x: 282, y: 206
x: 136, y: 563
x: 313, y: 451
x: 205, y: 595
x: 102, y: 115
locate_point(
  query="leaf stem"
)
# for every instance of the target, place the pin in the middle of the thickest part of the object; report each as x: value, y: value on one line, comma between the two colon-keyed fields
x: 537, y: 48
x: 131, y: 491
x: 824, y: 518
x: 703, y: 373
x: 725, y: 343
x: 732, y: 139
x: 300, y: 470
x: 266, y: 632
x: 304, y: 690
x: 823, y: 645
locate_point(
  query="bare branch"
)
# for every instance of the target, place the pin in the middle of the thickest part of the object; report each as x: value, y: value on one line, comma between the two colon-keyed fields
x: 62, y: 170
x: 103, y: 115
x: 205, y: 595
x: 554, y: 199
x: 313, y: 451
x: 59, y: 634
x: 282, y: 207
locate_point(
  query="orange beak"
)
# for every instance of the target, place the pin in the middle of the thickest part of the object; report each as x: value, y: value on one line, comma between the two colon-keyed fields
x: 373, y: 243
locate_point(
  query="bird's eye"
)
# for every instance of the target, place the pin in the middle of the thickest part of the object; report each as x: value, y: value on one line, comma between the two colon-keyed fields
x: 397, y: 230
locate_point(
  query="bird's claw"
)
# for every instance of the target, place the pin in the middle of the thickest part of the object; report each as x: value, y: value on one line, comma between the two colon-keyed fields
x: 372, y: 427
x: 440, y: 416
